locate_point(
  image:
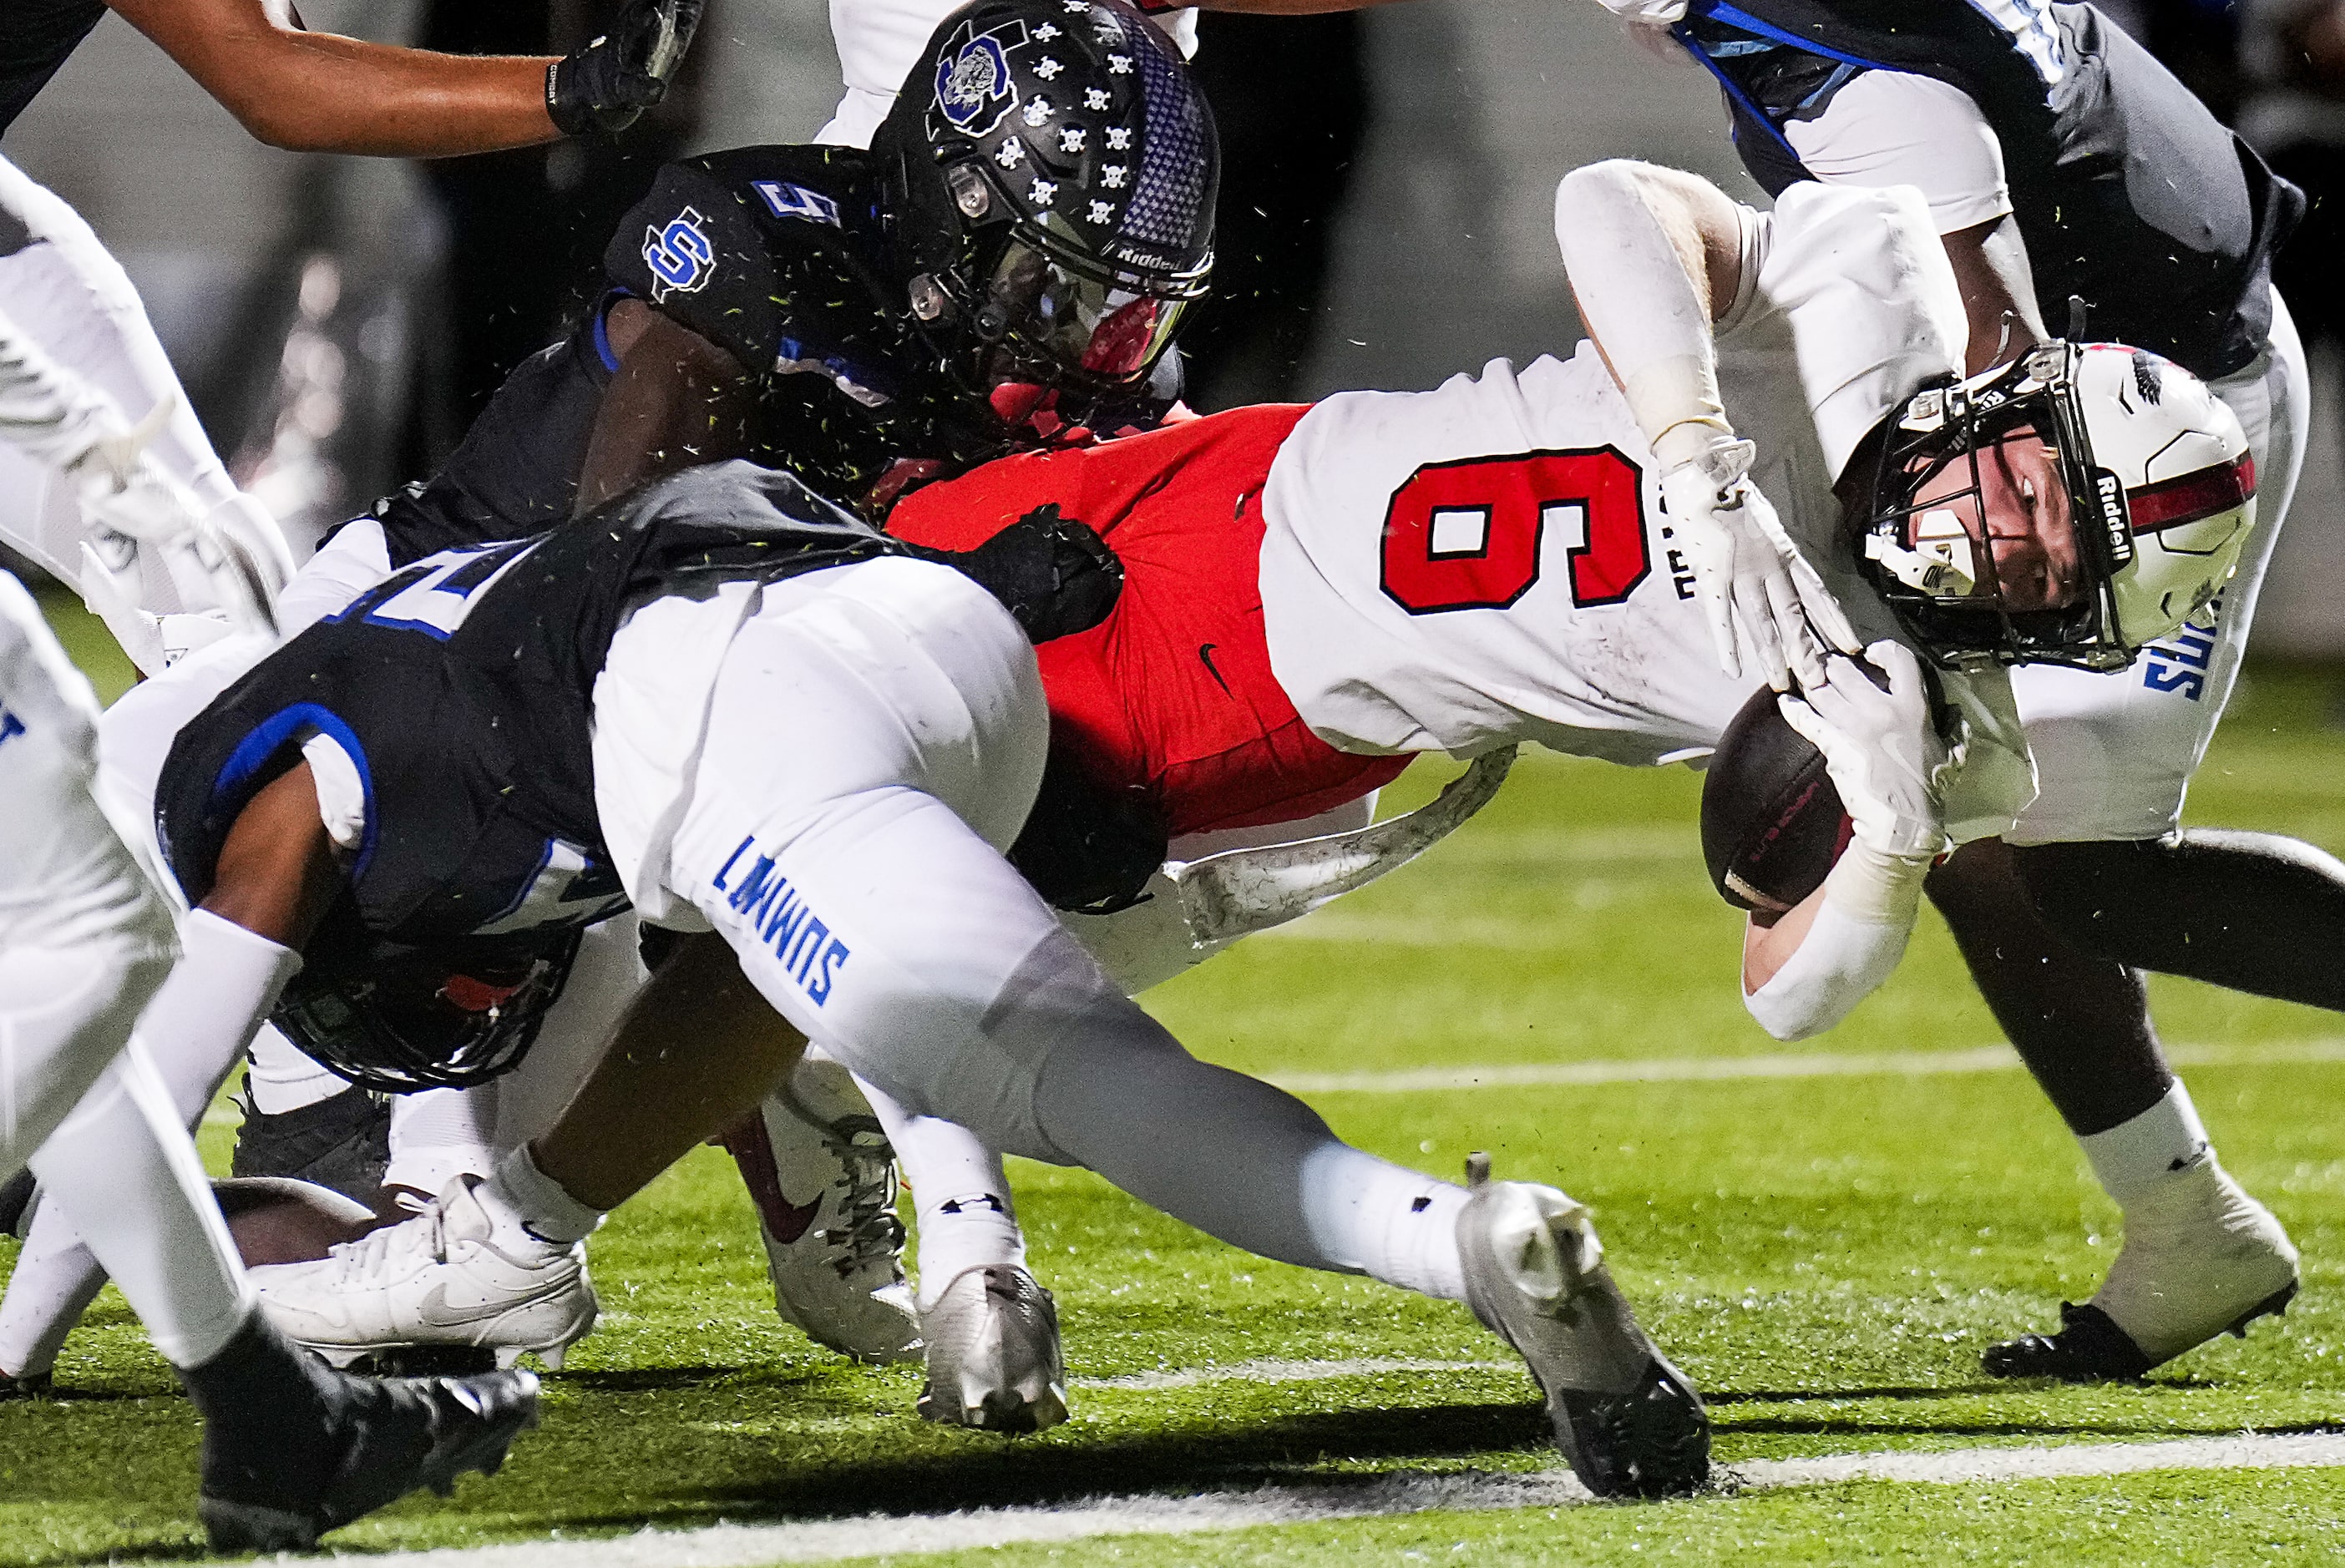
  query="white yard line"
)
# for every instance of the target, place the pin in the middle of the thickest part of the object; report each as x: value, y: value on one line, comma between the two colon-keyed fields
x: 1728, y: 1069
x: 748, y: 1547
x: 1775, y: 1065
x: 1276, y: 1370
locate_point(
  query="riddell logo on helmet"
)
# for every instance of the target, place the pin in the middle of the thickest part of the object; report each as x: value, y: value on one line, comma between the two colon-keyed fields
x: 974, y: 88
x: 1130, y: 256
x: 2110, y: 493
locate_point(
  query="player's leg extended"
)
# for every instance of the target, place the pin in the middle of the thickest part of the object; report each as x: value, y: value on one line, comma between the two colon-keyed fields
x: 208, y: 1003
x: 2098, y: 882
x: 971, y: 1001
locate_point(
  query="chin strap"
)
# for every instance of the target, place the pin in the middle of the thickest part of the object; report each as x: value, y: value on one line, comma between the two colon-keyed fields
x: 1242, y: 891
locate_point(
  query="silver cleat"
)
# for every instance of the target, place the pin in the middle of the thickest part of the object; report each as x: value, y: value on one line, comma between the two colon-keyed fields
x: 1629, y: 1422
x: 992, y: 1341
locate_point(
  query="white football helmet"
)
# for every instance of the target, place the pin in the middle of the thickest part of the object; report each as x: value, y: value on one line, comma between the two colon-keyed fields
x: 2161, y: 499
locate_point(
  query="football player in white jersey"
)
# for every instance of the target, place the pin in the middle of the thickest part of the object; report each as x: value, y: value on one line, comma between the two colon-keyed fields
x: 2020, y: 125
x: 290, y: 1449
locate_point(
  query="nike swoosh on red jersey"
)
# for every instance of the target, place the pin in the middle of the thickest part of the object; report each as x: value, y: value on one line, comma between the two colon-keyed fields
x: 1205, y: 652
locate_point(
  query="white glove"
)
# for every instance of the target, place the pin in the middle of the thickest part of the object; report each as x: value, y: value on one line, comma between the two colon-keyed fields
x: 1882, y: 748
x: 135, y: 506
x: 1757, y: 592
x: 1650, y: 13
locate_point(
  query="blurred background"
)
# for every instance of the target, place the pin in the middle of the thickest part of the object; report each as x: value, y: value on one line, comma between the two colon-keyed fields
x: 1385, y: 216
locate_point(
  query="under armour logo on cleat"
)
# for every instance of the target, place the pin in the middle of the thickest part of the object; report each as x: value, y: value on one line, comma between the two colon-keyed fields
x: 10, y: 724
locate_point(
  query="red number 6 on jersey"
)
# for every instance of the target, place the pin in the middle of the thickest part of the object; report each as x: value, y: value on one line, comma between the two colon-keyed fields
x: 1465, y: 535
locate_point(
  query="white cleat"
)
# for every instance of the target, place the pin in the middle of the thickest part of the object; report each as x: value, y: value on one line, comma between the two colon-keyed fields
x: 993, y: 1352
x: 2201, y: 1256
x: 434, y: 1281
x: 823, y: 1177
x: 1629, y: 1422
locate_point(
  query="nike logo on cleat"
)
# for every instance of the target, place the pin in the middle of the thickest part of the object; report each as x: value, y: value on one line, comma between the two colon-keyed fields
x: 433, y: 1311
x: 788, y: 1220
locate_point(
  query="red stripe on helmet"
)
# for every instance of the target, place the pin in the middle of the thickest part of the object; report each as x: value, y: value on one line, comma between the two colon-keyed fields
x: 2193, y: 495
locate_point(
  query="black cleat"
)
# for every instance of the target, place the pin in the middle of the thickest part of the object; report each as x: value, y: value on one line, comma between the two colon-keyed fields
x: 1653, y: 1442
x: 37, y: 1386
x: 342, y: 1142
x: 16, y: 1204
x: 2091, y: 1349
x: 293, y: 1449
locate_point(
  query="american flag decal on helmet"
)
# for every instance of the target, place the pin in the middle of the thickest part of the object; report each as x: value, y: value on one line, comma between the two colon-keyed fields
x: 1169, y: 198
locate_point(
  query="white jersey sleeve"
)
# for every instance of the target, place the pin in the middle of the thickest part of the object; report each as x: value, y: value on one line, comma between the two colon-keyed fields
x: 1889, y: 127
x: 1857, y: 307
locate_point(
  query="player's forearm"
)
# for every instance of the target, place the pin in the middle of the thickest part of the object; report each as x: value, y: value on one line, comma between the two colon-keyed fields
x: 1805, y: 973
x: 1990, y: 263
x: 318, y: 92
x: 1653, y: 255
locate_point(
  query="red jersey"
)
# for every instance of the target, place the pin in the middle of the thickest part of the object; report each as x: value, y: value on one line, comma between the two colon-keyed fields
x: 1173, y: 693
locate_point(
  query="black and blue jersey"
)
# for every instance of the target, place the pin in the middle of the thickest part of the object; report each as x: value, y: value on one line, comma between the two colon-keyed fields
x: 2128, y: 193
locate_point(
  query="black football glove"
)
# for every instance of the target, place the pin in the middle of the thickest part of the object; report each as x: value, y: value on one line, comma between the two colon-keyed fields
x: 605, y: 86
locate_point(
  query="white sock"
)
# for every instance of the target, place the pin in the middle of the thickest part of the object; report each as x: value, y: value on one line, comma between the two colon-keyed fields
x: 965, y: 1214
x: 191, y: 1033
x: 441, y: 1134
x: 126, y: 1172
x: 55, y: 1280
x: 1391, y: 1223
x: 283, y: 1077
x: 528, y: 1208
x: 2137, y: 1156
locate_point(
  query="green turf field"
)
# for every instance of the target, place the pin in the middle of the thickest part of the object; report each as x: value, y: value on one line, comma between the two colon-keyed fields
x: 1825, y: 1256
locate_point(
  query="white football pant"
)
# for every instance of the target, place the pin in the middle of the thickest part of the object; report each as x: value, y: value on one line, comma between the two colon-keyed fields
x: 875, y: 738
x: 84, y: 942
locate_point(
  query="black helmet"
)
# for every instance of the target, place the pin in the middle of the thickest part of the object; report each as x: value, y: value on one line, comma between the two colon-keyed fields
x: 396, y: 1018
x: 1055, y: 171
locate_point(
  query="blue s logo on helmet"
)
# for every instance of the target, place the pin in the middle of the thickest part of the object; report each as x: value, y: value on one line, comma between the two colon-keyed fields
x: 679, y: 255
x: 974, y: 90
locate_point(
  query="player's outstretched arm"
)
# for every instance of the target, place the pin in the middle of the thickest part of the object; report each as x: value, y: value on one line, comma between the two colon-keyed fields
x: 319, y: 92
x: 1655, y: 257
x: 1804, y: 974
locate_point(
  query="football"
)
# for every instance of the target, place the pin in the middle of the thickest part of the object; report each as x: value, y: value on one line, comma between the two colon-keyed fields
x: 275, y: 1220
x: 1771, y: 823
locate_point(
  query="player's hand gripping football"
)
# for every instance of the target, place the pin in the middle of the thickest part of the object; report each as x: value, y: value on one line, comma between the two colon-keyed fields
x: 1885, y: 754
x: 605, y: 86
x: 1770, y: 614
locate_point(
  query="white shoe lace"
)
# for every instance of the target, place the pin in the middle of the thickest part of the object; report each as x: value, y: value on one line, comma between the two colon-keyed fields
x: 370, y: 1255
